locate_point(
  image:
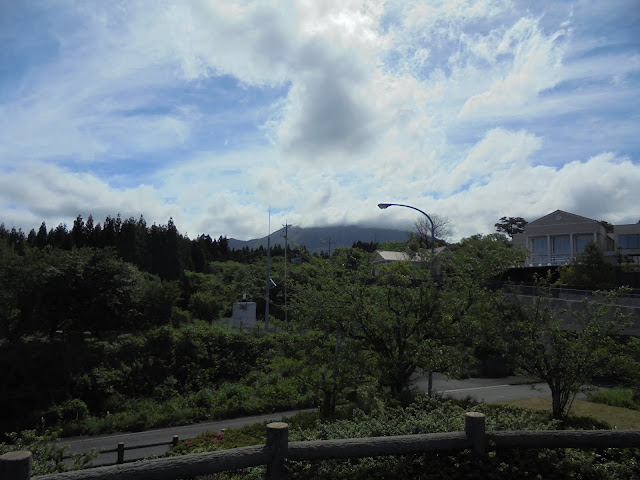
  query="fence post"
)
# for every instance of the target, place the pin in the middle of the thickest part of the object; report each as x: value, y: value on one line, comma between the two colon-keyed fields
x: 121, y: 452
x: 16, y: 465
x: 474, y: 427
x: 174, y: 441
x: 278, y: 446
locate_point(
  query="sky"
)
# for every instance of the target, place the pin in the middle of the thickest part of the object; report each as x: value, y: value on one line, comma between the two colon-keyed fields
x: 233, y: 117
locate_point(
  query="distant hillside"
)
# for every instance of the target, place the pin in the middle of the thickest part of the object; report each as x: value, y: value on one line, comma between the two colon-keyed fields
x: 317, y: 239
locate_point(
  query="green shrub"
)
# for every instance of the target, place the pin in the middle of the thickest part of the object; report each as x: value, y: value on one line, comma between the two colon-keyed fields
x: 69, y: 411
x: 47, y: 456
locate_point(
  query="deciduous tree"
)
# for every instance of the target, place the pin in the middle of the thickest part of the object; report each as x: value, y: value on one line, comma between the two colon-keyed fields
x: 410, y: 315
x: 567, y: 350
x: 442, y: 229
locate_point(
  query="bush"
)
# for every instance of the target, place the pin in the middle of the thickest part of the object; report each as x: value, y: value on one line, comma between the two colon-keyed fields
x: 69, y: 411
x: 47, y: 456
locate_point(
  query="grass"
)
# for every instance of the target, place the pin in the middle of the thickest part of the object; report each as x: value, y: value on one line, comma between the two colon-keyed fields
x: 616, y: 397
x: 617, y: 417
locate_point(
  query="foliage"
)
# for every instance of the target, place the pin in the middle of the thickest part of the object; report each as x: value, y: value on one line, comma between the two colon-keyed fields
x: 511, y: 225
x: 334, y: 367
x: 410, y: 314
x: 229, y: 438
x: 165, y: 376
x: 609, y: 228
x: 211, y: 296
x: 590, y: 269
x: 47, y: 456
x: 88, y: 289
x: 567, y: 350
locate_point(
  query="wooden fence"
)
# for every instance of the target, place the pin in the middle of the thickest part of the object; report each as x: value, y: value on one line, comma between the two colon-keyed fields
x: 17, y: 465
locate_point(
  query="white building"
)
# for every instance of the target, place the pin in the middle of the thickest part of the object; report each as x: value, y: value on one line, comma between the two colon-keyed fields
x: 557, y: 238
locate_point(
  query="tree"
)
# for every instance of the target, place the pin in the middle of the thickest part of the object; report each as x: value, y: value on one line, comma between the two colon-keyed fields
x: 590, y: 269
x: 41, y: 237
x: 567, y: 350
x: 332, y: 366
x: 408, y: 316
x: 511, y: 225
x: 77, y: 232
x: 442, y: 229
x: 607, y: 226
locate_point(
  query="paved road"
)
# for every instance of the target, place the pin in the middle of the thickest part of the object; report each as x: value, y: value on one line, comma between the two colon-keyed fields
x: 104, y: 442
x: 490, y: 390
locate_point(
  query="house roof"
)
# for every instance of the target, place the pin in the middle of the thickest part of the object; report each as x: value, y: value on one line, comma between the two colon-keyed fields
x: 389, y: 256
x: 560, y: 217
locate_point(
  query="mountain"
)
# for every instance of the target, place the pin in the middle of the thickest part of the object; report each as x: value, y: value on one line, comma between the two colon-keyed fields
x: 317, y: 239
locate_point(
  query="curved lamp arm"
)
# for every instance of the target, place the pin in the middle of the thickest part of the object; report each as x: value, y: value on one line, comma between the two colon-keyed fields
x: 383, y: 206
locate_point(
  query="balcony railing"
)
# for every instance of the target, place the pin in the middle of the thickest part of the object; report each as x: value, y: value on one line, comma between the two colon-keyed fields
x: 553, y: 259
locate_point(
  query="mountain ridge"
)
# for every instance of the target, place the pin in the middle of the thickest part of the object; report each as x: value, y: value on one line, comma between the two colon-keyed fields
x: 317, y: 239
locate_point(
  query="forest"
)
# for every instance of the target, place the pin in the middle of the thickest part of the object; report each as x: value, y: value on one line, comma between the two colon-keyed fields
x: 121, y: 327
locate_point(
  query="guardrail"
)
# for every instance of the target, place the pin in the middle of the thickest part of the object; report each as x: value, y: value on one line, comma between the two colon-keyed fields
x: 17, y: 465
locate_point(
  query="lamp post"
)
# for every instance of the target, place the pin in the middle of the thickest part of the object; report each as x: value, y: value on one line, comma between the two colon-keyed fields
x: 383, y: 206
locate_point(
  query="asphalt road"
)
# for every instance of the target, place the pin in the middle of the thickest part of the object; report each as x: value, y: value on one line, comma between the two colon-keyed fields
x: 133, y: 439
x: 489, y: 390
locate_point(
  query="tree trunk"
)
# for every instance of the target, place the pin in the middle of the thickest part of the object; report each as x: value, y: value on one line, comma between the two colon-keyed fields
x: 556, y: 404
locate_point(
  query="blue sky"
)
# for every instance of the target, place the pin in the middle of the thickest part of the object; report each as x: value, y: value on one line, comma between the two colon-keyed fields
x: 212, y: 112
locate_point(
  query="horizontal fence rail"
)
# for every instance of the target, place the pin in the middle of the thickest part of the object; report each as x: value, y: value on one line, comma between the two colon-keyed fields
x: 17, y: 465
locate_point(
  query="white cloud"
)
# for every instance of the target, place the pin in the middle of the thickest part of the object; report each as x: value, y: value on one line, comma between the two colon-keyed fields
x: 534, y: 64
x: 463, y: 108
x: 497, y: 152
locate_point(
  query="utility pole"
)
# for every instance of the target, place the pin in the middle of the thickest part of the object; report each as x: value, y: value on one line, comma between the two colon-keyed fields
x: 328, y: 242
x: 268, y: 283
x: 286, y: 245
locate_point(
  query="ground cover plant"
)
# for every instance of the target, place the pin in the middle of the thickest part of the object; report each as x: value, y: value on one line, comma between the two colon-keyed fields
x: 432, y: 415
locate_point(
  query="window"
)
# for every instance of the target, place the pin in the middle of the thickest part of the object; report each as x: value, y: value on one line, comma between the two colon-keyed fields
x: 631, y: 240
x: 581, y: 242
x: 539, y: 245
x: 561, y: 244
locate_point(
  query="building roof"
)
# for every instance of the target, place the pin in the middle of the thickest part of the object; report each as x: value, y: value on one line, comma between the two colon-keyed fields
x: 560, y: 217
x: 383, y: 256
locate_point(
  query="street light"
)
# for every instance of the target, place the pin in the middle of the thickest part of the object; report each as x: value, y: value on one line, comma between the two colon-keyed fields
x: 383, y: 206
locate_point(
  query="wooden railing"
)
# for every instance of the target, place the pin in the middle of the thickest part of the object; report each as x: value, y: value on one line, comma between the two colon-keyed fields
x: 17, y: 465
